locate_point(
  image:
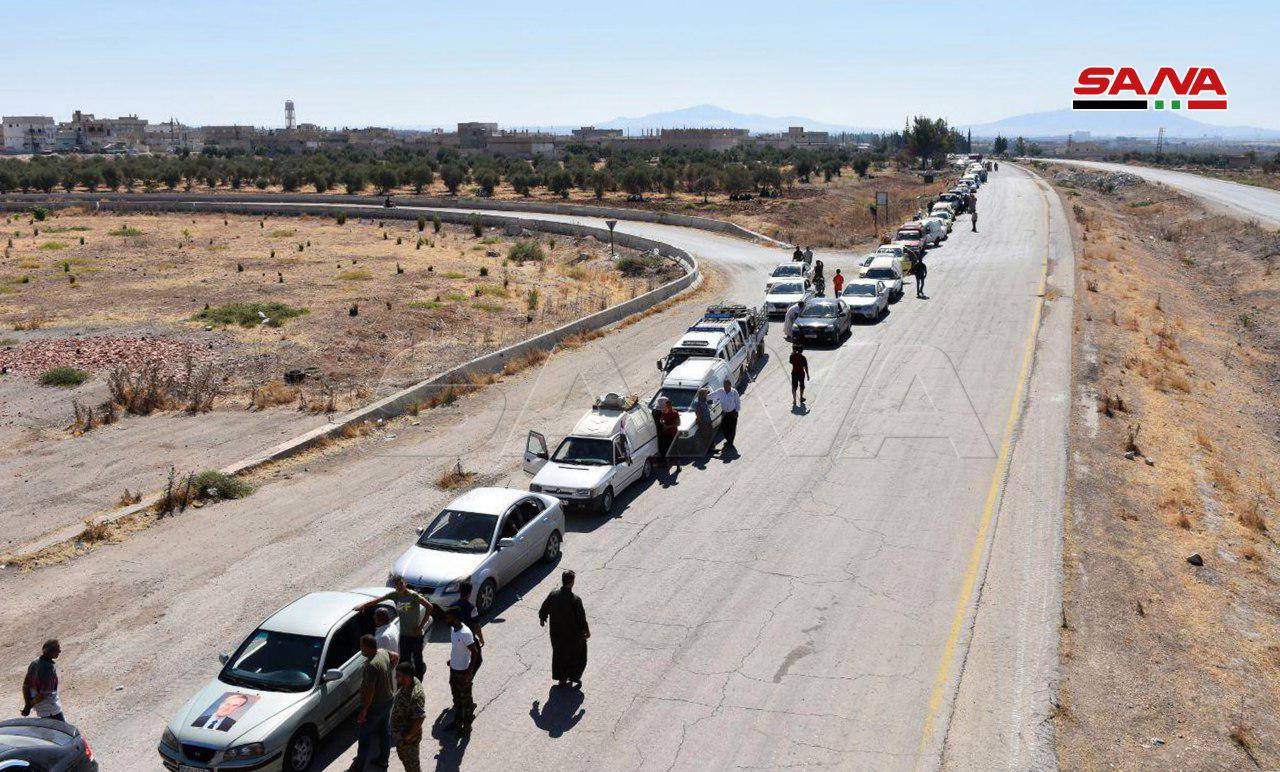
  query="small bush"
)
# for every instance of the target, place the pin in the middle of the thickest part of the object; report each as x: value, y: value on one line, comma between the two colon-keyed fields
x: 436, y: 224
x: 492, y: 290
x: 65, y: 377
x: 125, y: 230
x: 283, y: 233
x: 524, y: 250
x: 423, y: 305
x: 341, y: 218
x: 39, y: 213
x: 454, y: 478
x: 489, y: 308
x: 455, y: 297
x: 212, y: 484
x: 247, y: 314
x: 53, y: 246
x: 454, y: 275
x: 422, y: 224
x: 632, y: 265
x: 356, y: 275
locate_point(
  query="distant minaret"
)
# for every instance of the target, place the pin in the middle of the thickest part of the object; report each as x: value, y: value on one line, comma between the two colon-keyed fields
x: 290, y: 122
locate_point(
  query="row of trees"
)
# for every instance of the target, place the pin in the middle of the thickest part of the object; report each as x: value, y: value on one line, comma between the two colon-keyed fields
x: 735, y: 171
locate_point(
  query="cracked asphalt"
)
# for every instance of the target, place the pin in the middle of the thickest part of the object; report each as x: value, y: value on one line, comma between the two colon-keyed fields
x: 785, y: 607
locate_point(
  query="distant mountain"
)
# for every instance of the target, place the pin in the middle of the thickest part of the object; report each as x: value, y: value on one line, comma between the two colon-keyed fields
x: 1102, y: 123
x: 710, y: 116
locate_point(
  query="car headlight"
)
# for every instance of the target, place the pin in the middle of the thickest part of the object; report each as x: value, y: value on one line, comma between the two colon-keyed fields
x: 534, y: 487
x: 249, y: 751
x: 169, y: 739
x: 451, y: 587
x: 583, y: 493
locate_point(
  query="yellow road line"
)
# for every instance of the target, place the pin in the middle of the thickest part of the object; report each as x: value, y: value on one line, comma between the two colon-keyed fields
x: 989, y: 508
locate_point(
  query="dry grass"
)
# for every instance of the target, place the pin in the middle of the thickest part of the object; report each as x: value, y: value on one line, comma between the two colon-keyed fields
x: 128, y: 498
x: 1252, y: 517
x: 94, y: 531
x: 454, y: 477
x: 273, y: 394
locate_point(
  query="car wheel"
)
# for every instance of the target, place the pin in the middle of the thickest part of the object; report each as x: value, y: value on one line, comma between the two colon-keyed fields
x: 606, y: 501
x: 301, y: 750
x: 647, y: 470
x: 551, y: 553
x: 485, y: 597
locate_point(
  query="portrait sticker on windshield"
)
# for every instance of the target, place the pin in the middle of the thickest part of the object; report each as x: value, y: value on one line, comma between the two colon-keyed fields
x: 225, y: 711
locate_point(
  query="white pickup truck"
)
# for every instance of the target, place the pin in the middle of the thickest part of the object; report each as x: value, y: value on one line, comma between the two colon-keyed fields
x: 732, y: 333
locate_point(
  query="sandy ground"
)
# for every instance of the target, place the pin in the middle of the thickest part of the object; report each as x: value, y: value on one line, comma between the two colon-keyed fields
x: 422, y: 308
x: 1165, y: 664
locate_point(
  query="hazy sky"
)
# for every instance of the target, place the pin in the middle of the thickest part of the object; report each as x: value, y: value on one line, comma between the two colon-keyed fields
x: 368, y: 62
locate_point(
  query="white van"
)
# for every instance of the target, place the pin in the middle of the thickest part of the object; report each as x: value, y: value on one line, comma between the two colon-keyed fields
x: 887, y: 269
x: 724, y: 339
x: 612, y: 447
x: 681, y: 386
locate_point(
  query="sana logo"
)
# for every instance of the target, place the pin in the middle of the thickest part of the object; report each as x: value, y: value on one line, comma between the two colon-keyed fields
x: 1123, y: 88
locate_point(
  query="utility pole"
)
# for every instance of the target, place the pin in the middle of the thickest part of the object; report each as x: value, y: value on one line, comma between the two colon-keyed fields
x: 1160, y: 142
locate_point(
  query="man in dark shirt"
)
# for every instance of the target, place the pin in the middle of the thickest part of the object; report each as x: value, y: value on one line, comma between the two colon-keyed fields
x: 799, y: 373
x: 40, y: 687
x: 569, y: 632
x: 375, y: 707
x: 920, y: 270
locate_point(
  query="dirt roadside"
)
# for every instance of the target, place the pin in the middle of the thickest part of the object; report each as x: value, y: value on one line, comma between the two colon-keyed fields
x: 1167, y: 663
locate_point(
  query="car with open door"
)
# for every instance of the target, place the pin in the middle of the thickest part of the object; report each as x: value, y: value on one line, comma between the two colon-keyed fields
x: 294, y: 679
x: 609, y: 449
x: 486, y: 535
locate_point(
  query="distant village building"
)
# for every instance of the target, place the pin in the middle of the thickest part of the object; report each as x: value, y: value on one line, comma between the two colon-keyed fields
x: 474, y: 135
x: 521, y: 144
x: 29, y: 134
x: 588, y: 134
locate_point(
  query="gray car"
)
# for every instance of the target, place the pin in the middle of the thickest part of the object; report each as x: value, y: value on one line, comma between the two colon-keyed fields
x: 823, y: 320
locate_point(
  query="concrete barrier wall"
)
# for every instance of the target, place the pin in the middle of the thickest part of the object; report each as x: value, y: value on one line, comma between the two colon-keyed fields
x: 396, y: 403
x: 525, y: 207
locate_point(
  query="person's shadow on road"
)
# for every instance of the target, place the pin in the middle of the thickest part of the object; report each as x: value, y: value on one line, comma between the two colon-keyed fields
x: 557, y: 715
x: 453, y: 744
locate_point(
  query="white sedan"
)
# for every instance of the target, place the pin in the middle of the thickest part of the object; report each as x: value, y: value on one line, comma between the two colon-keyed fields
x: 781, y: 295
x: 868, y: 299
x: 292, y: 681
x: 792, y: 270
x: 488, y: 536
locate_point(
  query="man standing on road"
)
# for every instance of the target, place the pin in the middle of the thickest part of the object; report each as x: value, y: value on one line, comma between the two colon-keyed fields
x: 415, y: 617
x: 569, y: 632
x: 408, y: 710
x: 467, y: 612
x: 837, y: 283
x: 974, y: 217
x: 919, y: 270
x: 668, y: 421
x: 797, y: 256
x: 40, y: 686
x: 789, y: 320
x: 382, y: 631
x: 730, y: 403
x: 808, y: 255
x: 375, y: 707
x: 704, y: 433
x: 817, y: 275
x: 462, y: 650
x: 799, y: 373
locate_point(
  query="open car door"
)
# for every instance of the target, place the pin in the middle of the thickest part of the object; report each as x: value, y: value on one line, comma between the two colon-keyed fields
x: 535, y: 452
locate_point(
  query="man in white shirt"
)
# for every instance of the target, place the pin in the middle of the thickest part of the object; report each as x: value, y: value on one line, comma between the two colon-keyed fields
x: 789, y: 320
x: 387, y: 640
x: 462, y: 651
x: 730, y: 403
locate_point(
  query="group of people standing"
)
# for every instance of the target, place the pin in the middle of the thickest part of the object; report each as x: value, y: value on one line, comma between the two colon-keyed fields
x: 667, y: 420
x: 392, y: 699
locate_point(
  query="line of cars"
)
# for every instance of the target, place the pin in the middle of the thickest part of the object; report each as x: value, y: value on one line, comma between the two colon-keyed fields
x: 296, y: 677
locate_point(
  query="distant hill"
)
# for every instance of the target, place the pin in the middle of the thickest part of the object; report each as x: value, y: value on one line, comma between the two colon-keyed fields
x: 1144, y: 123
x: 711, y: 116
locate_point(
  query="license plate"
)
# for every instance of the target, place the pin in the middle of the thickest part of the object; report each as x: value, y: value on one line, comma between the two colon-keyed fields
x: 189, y: 768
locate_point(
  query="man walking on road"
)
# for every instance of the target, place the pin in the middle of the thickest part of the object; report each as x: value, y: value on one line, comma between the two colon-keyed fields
x: 730, y: 403
x: 974, y: 217
x: 408, y: 710
x: 837, y: 283
x: 799, y: 373
x: 569, y: 632
x: 415, y: 617
x: 375, y: 707
x: 920, y: 270
x: 462, y: 650
x: 40, y: 686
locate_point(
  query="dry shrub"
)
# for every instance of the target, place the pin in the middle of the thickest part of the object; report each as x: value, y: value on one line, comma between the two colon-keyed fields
x: 1250, y: 553
x: 1131, y: 442
x: 94, y: 531
x: 1222, y: 479
x: 1091, y: 285
x: 1184, y: 522
x: 582, y: 338
x: 30, y: 323
x: 454, y: 477
x: 140, y: 392
x: 1203, y: 440
x: 1171, y: 382
x: 483, y: 379
x: 526, y: 360
x: 273, y: 394
x: 198, y: 386
x: 354, y: 430
x: 129, y: 498
x: 1109, y: 404
x: 1252, y: 517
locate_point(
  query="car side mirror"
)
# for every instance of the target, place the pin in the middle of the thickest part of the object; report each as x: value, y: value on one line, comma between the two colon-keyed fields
x: 420, y: 529
x: 506, y: 543
x: 660, y: 361
x: 224, y: 658
x: 332, y: 674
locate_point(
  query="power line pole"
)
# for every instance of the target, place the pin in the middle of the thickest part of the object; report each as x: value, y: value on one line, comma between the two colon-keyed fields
x: 1160, y: 142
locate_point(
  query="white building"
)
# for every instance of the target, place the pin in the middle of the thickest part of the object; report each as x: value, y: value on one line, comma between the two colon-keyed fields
x: 29, y: 134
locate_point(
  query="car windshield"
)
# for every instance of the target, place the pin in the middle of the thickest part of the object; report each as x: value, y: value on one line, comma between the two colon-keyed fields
x: 787, y: 288
x: 908, y: 235
x: 820, y: 311
x: 457, y: 531
x: 274, y: 661
x: 788, y: 270
x: 881, y: 273
x: 861, y: 290
x: 590, y: 451
x: 681, y: 399
x: 889, y: 250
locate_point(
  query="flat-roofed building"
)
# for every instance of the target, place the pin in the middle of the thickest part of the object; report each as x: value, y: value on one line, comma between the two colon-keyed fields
x: 29, y: 134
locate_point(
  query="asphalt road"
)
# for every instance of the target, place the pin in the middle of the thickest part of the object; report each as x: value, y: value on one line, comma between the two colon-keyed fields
x: 809, y: 602
x: 1233, y: 198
